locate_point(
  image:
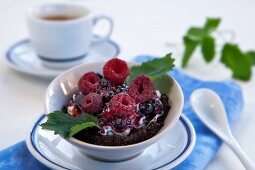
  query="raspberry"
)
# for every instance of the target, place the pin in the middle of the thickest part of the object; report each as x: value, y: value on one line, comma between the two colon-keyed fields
x: 142, y: 89
x: 122, y: 106
x: 92, y: 103
x: 106, y: 114
x: 89, y: 82
x: 116, y: 71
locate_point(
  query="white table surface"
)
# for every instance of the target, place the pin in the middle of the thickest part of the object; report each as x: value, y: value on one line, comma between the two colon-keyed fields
x: 141, y: 27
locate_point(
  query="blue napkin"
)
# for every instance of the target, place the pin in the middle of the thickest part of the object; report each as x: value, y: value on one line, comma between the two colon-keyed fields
x: 18, y: 157
x: 207, y: 144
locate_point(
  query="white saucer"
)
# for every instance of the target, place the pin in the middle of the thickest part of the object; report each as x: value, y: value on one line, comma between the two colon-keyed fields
x: 56, y: 153
x: 23, y: 58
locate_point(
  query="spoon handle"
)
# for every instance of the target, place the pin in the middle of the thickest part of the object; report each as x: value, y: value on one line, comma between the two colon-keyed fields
x: 247, y: 163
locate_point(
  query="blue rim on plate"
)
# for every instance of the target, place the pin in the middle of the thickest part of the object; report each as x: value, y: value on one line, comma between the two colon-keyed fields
x: 183, y: 119
x: 14, y: 61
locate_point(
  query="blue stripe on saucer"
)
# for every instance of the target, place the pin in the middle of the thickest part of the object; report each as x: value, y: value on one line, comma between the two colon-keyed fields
x: 61, y: 60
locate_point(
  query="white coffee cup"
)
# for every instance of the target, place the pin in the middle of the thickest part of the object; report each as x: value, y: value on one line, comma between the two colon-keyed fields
x: 61, y: 34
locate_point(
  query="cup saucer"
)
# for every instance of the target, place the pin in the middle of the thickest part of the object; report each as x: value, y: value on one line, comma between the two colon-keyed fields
x: 56, y: 153
x: 22, y: 57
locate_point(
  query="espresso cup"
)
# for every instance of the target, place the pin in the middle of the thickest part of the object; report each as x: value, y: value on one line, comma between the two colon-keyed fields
x: 62, y: 34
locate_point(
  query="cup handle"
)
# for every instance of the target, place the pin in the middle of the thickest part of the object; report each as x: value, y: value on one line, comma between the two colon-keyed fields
x: 110, y: 21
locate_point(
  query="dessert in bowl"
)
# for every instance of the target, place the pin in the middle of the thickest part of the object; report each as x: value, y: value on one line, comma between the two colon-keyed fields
x: 130, y: 112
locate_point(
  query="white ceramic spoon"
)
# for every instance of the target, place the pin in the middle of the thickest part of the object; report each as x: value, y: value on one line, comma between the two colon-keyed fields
x: 210, y: 110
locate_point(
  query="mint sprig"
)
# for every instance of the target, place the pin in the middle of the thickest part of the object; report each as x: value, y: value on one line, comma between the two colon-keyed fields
x: 238, y: 61
x: 251, y: 54
x: 200, y: 37
x: 155, y: 68
x: 66, y: 125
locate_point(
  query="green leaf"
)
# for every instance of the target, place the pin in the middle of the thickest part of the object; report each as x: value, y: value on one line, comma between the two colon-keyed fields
x: 238, y: 62
x: 208, y: 48
x: 211, y: 24
x: 79, y: 127
x: 63, y: 124
x: 196, y: 33
x: 155, y: 68
x: 251, y: 54
x: 190, y: 47
x: 200, y: 36
x: 163, y: 84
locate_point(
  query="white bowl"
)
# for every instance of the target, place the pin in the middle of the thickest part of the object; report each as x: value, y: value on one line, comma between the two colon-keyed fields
x: 60, y: 90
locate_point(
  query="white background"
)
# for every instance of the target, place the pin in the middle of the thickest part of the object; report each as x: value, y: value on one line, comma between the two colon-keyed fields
x: 141, y: 27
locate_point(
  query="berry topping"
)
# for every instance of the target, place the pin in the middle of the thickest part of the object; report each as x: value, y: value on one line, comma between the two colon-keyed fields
x: 151, y: 107
x: 121, y: 88
x: 120, y: 109
x: 158, y: 107
x: 146, y: 108
x: 73, y: 109
x: 142, y: 89
x: 116, y: 71
x: 89, y: 82
x: 107, y: 96
x: 78, y: 97
x: 122, y: 105
x: 105, y: 83
x: 92, y: 103
x: 164, y: 100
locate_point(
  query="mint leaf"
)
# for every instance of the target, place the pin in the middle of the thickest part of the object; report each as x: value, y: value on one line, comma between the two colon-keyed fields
x: 196, y: 33
x: 163, y: 84
x: 238, y: 62
x: 211, y: 24
x: 200, y: 36
x: 65, y: 125
x: 190, y: 47
x: 208, y: 48
x: 251, y: 54
x: 154, y: 68
x: 77, y: 128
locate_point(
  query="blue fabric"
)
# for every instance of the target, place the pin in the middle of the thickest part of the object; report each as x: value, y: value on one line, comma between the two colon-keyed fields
x: 207, y: 144
x: 18, y: 157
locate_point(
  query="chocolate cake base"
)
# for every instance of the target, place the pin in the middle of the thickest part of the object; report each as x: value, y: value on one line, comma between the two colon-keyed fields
x: 92, y: 136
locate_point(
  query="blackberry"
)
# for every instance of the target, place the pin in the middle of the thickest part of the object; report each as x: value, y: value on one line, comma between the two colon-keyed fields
x: 146, y: 108
x: 121, y: 89
x: 107, y: 96
x: 158, y: 107
x: 119, y: 123
x: 151, y: 107
x: 100, y: 76
x: 105, y: 83
x: 164, y: 99
x: 78, y: 97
